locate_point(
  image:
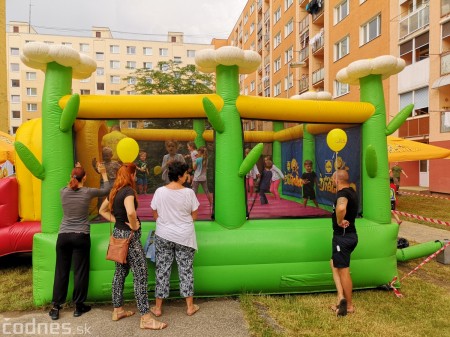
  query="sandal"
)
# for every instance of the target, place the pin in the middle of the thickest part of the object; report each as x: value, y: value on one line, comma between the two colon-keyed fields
x: 154, y: 311
x: 342, y: 308
x: 116, y: 315
x: 196, y: 308
x: 152, y: 324
x: 335, y: 308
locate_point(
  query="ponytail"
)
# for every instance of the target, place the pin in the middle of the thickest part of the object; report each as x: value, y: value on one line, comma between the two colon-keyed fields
x: 76, y: 177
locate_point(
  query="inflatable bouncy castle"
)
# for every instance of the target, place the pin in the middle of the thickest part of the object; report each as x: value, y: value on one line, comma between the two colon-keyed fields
x: 236, y: 253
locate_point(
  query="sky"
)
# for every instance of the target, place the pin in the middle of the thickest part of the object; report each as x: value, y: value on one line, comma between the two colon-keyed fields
x: 199, y: 20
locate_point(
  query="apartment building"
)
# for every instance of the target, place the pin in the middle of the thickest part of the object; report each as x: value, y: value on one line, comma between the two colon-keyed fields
x: 3, y: 83
x: 303, y: 44
x: 116, y: 59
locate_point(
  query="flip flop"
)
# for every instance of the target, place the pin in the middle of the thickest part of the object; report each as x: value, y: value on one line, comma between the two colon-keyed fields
x: 121, y: 314
x: 342, y: 308
x: 335, y: 308
x: 154, y: 312
x: 152, y: 324
x: 196, y: 308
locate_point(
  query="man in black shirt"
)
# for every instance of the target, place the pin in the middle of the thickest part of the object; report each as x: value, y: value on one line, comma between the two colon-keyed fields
x: 345, y: 239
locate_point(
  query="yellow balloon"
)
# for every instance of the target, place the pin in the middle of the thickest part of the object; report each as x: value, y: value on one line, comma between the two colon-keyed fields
x: 157, y: 170
x: 336, y: 139
x: 127, y: 150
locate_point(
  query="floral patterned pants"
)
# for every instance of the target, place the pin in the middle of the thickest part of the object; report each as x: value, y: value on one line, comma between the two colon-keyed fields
x: 136, y: 261
x: 166, y: 251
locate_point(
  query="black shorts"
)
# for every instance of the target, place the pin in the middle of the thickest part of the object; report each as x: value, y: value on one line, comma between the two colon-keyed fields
x: 343, y: 246
x: 309, y: 194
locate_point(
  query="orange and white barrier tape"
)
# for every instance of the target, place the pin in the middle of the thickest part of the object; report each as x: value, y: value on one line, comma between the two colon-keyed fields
x: 422, y: 195
x: 419, y: 217
x: 428, y: 259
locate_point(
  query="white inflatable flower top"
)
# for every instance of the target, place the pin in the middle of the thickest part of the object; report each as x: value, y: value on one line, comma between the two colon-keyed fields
x: 314, y: 95
x: 208, y: 59
x: 37, y: 54
x: 385, y: 66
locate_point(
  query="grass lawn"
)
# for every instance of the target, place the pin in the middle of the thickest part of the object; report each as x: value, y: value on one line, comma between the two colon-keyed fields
x: 423, y: 311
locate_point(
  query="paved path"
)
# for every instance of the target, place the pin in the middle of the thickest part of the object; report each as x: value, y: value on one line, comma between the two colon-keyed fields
x: 216, y: 318
x: 422, y: 233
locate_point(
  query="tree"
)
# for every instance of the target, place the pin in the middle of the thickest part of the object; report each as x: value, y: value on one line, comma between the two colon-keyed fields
x: 170, y: 78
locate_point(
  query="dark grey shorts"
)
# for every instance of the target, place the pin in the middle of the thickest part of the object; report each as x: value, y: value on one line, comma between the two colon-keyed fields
x: 343, y: 246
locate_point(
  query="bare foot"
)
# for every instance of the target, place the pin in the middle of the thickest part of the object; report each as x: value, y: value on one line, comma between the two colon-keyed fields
x: 156, y: 311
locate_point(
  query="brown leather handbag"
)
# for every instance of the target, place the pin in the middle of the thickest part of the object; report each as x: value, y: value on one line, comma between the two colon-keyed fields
x: 118, y: 249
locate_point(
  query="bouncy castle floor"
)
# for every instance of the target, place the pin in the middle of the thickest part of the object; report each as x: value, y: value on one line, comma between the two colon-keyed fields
x: 274, y: 209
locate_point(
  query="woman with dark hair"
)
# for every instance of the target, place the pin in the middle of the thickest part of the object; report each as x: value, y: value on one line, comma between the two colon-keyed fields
x: 74, y: 241
x: 120, y: 208
x: 175, y: 209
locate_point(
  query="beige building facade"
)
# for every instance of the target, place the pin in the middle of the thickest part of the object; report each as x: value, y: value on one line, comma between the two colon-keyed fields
x: 116, y: 60
x: 304, y: 43
x: 4, y: 127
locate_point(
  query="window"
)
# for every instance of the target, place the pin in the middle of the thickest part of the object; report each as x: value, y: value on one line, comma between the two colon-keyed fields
x: 85, y: 80
x: 277, y: 15
x: 288, y: 55
x: 341, y: 89
x: 177, y: 59
x: 85, y: 92
x: 148, y: 51
x: 415, y: 50
x: 277, y: 65
x: 99, y: 56
x: 252, y: 8
x: 341, y: 11
x: 15, y: 29
x: 132, y: 80
x: 14, y: 129
x: 15, y: 98
x: 289, y: 27
x: 341, y: 48
x: 14, y: 67
x: 163, y: 52
x: 131, y: 64
x: 115, y: 92
x: 164, y: 67
x: 148, y: 80
x: 31, y: 92
x: 252, y: 28
x: 245, y: 18
x: 100, y: 71
x: 287, y: 4
x: 277, y: 40
x: 49, y: 42
x: 14, y: 51
x: 277, y: 89
x: 100, y: 86
x: 191, y: 53
x: 131, y: 50
x: 98, y: 34
x: 132, y: 124
x: 114, y: 64
x: 148, y: 65
x: 445, y: 121
x: 84, y: 47
x: 32, y: 107
x: 15, y: 114
x: 252, y: 86
x: 267, y: 92
x: 115, y: 79
x: 15, y: 83
x: 31, y: 75
x: 173, y: 39
x: 114, y: 49
x: 417, y: 97
x: 370, y: 30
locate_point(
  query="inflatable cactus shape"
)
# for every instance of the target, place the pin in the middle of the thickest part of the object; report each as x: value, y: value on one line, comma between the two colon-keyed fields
x: 228, y: 62
x: 60, y: 64
x: 369, y: 74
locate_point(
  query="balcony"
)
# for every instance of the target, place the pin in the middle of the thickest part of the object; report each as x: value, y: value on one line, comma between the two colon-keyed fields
x: 445, y: 63
x: 304, y: 24
x: 318, y: 76
x: 259, y: 5
x: 304, y: 54
x: 416, y: 126
x: 318, y: 17
x: 317, y: 42
x: 266, y: 16
x: 414, y: 21
x: 304, y: 84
